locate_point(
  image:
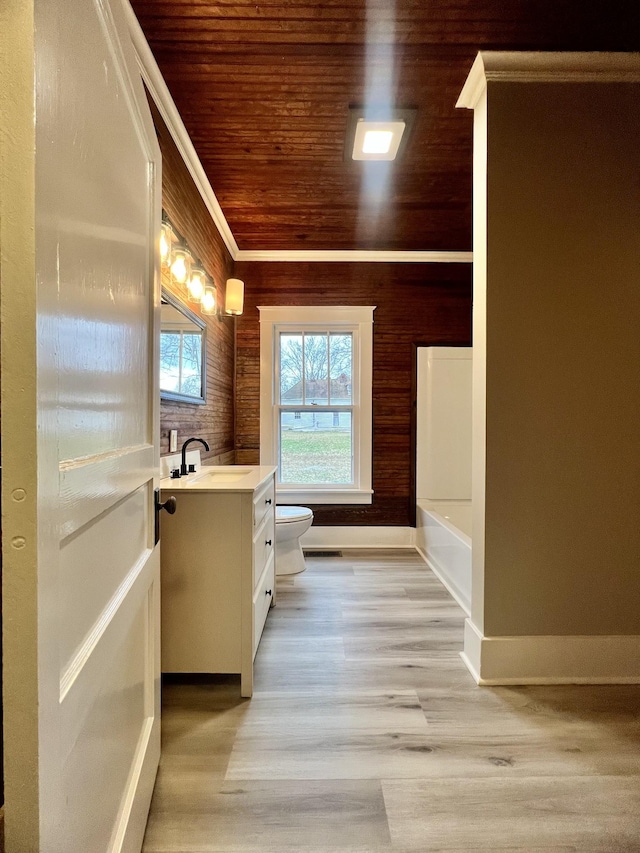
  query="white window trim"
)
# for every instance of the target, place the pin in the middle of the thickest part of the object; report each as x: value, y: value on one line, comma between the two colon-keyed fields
x: 322, y: 317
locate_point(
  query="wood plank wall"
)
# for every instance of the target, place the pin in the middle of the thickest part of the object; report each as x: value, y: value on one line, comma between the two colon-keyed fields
x: 425, y: 303
x: 213, y: 421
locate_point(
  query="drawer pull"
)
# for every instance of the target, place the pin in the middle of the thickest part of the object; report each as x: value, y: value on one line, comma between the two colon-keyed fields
x: 268, y: 542
x: 267, y: 501
x: 267, y: 592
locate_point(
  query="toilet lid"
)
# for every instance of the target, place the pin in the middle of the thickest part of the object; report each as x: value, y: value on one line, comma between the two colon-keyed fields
x: 292, y: 513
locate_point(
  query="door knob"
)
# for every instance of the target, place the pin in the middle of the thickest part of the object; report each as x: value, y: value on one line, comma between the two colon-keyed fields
x: 170, y: 505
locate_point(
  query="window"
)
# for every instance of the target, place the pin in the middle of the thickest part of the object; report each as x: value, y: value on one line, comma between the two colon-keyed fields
x: 315, y: 390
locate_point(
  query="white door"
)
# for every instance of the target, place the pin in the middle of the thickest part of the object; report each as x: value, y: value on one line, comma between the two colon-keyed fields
x: 79, y: 213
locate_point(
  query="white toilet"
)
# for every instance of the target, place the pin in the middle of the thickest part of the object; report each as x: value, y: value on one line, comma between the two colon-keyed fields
x: 291, y: 523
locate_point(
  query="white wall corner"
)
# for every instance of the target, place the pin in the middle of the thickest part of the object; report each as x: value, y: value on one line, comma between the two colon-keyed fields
x: 551, y: 659
x: 358, y: 537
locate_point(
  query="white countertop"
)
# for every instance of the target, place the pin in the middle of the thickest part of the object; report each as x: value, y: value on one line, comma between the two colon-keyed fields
x: 220, y: 478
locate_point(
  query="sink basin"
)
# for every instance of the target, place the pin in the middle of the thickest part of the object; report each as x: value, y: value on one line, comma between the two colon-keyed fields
x: 220, y: 474
x: 218, y: 478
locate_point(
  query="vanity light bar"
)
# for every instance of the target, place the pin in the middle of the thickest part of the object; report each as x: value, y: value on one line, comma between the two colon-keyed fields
x: 185, y: 269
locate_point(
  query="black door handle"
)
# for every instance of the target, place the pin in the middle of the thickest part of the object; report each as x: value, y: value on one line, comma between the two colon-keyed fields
x: 170, y: 505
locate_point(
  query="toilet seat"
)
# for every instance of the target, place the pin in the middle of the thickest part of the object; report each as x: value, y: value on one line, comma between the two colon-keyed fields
x: 285, y: 514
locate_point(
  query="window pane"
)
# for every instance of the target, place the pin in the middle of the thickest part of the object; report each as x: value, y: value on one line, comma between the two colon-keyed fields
x: 291, y: 369
x: 341, y: 361
x: 316, y: 447
x: 316, y: 369
x: 191, y: 364
x: 170, y: 361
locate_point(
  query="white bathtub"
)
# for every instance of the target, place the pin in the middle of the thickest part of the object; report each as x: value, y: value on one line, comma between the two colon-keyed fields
x: 443, y: 537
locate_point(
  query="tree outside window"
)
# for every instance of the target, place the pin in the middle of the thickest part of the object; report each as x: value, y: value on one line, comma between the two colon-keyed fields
x: 316, y: 439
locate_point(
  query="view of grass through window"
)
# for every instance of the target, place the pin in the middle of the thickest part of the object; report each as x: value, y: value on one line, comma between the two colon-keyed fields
x: 316, y: 455
x: 316, y: 399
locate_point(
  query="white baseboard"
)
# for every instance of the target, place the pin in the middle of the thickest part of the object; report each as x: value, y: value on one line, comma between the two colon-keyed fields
x: 551, y: 660
x: 359, y: 537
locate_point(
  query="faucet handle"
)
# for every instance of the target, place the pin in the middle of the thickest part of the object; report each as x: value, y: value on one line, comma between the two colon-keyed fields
x: 175, y: 474
x: 192, y: 468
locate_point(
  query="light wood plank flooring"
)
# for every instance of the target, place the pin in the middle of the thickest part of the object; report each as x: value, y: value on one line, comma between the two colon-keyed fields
x: 366, y: 734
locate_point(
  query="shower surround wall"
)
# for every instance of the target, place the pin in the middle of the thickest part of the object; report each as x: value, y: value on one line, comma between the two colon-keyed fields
x: 443, y: 465
x: 443, y: 424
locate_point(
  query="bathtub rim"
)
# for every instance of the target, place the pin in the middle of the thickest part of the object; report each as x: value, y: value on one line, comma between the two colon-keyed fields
x: 427, y: 506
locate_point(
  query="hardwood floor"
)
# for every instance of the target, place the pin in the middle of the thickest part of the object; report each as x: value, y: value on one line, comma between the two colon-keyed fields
x: 366, y: 734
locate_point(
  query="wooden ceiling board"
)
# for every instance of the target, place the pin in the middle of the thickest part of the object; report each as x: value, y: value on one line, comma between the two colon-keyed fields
x: 264, y: 90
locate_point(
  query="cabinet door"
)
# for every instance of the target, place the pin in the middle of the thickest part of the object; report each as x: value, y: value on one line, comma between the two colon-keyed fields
x: 262, y: 599
x: 264, y: 544
x: 263, y: 502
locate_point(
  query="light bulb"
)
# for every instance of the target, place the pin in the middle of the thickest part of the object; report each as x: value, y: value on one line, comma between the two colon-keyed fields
x: 166, y: 241
x: 196, y: 285
x: 181, y: 265
x: 209, y: 300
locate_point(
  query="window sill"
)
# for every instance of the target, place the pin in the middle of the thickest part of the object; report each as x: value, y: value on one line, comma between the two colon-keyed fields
x: 323, y: 496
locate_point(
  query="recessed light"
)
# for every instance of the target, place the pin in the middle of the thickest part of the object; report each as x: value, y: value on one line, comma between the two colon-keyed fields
x: 377, y: 134
x: 377, y: 140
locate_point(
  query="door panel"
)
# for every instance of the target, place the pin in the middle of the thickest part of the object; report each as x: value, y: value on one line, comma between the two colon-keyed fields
x: 94, y: 580
x: 111, y: 713
x: 81, y: 439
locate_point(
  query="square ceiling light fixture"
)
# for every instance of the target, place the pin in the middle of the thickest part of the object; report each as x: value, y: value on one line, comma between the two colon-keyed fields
x: 377, y: 136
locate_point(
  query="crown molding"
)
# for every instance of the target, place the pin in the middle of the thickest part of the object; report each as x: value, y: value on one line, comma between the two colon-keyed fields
x: 355, y: 255
x: 547, y: 67
x: 155, y: 83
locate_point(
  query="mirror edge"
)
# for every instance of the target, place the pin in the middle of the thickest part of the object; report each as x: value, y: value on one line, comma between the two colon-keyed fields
x: 179, y: 305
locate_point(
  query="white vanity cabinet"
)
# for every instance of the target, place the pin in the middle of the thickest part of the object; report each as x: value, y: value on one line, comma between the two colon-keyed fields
x: 218, y: 571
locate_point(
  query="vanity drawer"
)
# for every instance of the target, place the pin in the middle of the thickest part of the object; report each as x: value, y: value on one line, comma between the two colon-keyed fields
x: 264, y: 501
x: 263, y: 545
x: 262, y: 602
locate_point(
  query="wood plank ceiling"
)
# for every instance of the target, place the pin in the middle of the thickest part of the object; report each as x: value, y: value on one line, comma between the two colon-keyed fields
x: 264, y: 87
